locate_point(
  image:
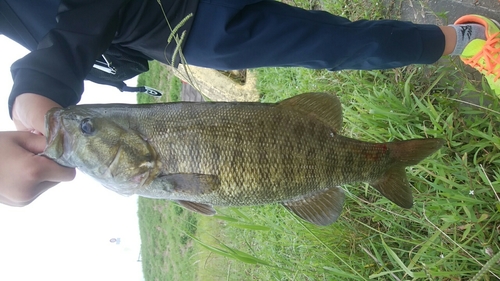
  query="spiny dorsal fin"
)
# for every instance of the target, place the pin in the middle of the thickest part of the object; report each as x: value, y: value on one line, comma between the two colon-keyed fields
x: 203, y: 209
x: 321, y: 106
x: 323, y: 208
x: 395, y: 186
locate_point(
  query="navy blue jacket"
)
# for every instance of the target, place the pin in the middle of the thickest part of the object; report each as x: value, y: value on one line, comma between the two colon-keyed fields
x: 73, y: 34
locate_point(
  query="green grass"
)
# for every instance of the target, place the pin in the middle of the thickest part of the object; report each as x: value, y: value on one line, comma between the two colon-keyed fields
x: 166, y: 251
x: 445, y: 235
x: 160, y: 78
x: 451, y: 233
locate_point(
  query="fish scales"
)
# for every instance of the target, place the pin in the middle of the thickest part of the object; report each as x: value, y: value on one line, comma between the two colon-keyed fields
x: 234, y: 141
x: 232, y: 154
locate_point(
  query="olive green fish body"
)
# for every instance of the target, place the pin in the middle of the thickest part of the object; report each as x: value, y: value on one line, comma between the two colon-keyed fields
x: 260, y: 153
x: 231, y: 154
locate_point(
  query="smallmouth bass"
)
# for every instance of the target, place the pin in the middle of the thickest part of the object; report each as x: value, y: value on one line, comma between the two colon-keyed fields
x: 232, y: 153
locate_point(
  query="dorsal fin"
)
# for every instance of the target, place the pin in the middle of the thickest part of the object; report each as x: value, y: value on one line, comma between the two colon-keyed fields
x: 321, y: 106
x: 323, y: 208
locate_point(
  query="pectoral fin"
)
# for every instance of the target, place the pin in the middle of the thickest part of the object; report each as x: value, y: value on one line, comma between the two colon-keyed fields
x: 323, y: 208
x: 203, y: 209
x: 192, y: 184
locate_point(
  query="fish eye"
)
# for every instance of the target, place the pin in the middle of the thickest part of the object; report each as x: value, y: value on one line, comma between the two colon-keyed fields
x: 86, y: 126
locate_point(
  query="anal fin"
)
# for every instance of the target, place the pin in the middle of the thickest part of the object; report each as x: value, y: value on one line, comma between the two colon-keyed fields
x: 323, y: 208
x: 200, y: 208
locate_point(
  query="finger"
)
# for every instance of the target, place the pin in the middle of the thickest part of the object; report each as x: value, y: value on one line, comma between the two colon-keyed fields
x: 33, y: 142
x: 41, y: 167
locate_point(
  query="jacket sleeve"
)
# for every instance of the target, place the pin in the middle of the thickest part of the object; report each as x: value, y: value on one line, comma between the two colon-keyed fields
x: 57, y: 68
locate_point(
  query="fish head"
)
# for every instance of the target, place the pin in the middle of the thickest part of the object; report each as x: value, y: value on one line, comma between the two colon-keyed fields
x: 102, y: 146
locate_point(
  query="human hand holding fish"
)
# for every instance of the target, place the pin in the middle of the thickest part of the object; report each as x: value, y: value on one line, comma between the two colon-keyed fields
x: 23, y: 180
x: 24, y: 174
x: 232, y: 153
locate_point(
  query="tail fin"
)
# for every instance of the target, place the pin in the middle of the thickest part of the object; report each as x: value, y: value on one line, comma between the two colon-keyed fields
x: 394, y: 184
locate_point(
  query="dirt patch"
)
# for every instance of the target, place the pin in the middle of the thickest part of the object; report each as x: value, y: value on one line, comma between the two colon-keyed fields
x: 237, y: 76
x: 217, y: 85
